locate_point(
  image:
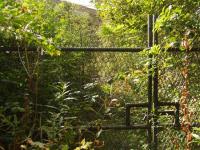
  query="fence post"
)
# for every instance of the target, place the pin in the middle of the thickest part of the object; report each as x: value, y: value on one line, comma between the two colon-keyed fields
x: 155, y: 89
x: 150, y: 80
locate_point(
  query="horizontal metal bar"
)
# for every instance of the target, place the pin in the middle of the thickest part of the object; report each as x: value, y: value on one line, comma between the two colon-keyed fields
x: 96, y: 49
x: 117, y: 127
x: 131, y: 127
x: 137, y: 105
x: 81, y: 49
x: 168, y: 104
x: 105, y: 49
x: 168, y: 112
x: 123, y: 127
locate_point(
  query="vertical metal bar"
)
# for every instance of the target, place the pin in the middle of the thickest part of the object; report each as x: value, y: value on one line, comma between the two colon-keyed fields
x: 155, y: 90
x: 155, y: 34
x: 150, y: 79
x: 128, y: 113
x: 177, y: 121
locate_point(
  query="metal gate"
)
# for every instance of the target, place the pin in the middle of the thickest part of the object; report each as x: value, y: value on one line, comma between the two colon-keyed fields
x: 153, y: 105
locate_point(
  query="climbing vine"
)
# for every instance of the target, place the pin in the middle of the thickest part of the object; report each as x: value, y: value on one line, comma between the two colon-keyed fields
x: 185, y: 97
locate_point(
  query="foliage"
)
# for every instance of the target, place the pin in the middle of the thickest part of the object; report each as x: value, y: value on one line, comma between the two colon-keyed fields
x: 47, y: 101
x: 84, y: 145
x: 27, y: 23
x: 124, y: 23
x: 126, y: 20
x: 46, y: 25
x: 37, y: 99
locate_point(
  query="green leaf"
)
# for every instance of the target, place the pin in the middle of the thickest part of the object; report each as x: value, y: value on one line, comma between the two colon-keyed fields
x: 196, y: 136
x: 65, y: 147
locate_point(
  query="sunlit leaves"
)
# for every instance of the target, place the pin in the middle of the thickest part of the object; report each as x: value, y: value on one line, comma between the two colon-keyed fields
x: 33, y: 23
x: 175, y: 19
x: 84, y: 145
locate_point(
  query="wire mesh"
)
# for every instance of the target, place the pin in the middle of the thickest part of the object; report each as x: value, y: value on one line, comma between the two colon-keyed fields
x: 88, y: 89
x: 171, y: 83
x: 97, y: 86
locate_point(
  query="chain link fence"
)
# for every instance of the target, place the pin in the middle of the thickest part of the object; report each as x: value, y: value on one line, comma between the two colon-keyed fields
x: 97, y: 86
x: 171, y: 82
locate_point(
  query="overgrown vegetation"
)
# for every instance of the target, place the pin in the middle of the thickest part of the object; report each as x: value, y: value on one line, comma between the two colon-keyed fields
x: 47, y: 96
